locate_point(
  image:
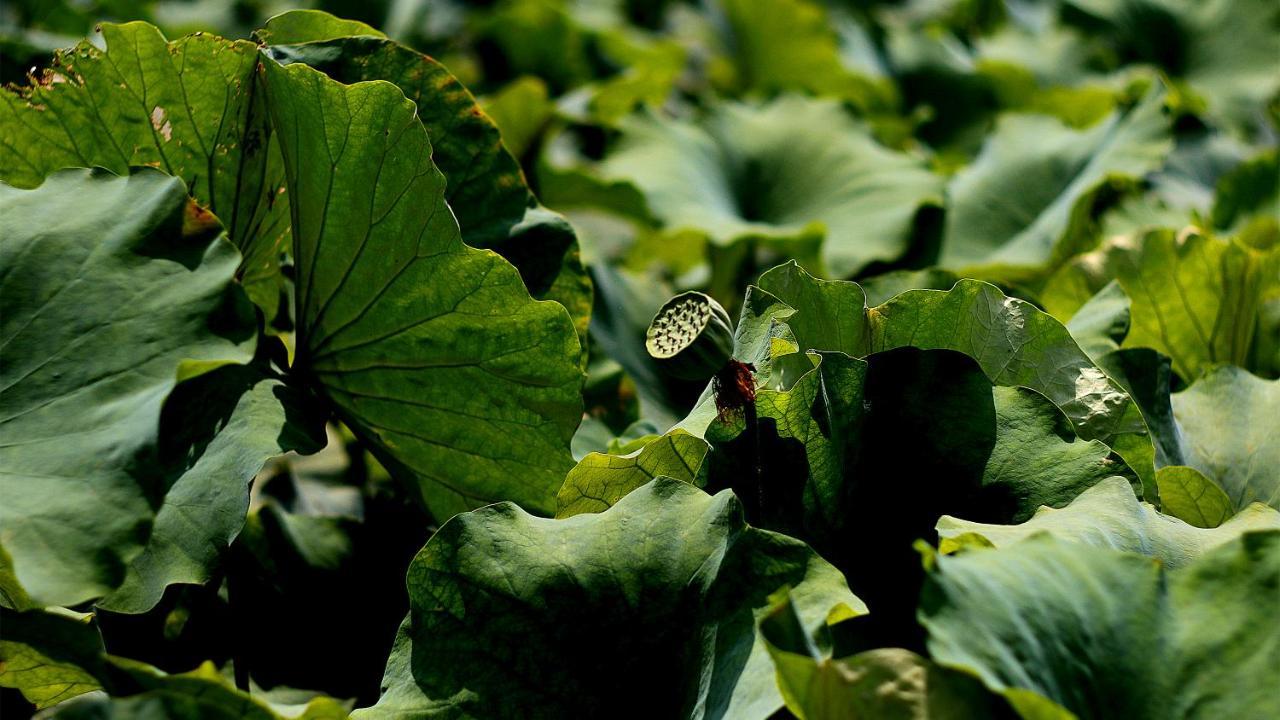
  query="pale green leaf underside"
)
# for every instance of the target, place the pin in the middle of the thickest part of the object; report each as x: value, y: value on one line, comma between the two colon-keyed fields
x: 1109, y: 634
x: 1109, y: 515
x: 219, y: 430
x: 1230, y: 433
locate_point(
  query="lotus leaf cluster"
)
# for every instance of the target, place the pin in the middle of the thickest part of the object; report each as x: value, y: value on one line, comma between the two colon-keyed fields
x: 683, y: 359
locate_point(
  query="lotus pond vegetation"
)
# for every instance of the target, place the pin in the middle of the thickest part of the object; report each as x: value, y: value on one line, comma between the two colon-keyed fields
x: 671, y: 360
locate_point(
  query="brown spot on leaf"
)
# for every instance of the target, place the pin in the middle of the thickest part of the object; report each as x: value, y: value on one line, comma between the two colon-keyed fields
x: 197, y: 221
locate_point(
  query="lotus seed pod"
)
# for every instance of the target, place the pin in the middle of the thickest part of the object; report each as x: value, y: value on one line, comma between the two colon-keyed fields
x: 691, y: 337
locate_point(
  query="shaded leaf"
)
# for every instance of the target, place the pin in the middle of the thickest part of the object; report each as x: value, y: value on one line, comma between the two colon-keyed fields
x: 888, y: 683
x: 1102, y: 323
x: 1010, y: 339
x: 881, y: 288
x: 49, y: 657
x: 62, y: 657
x: 670, y: 580
x: 1251, y: 188
x: 113, y: 288
x: 1225, y: 51
x: 220, y: 429
x: 860, y: 458
x: 1148, y: 378
x: 780, y: 46
x: 520, y: 110
x: 1014, y: 342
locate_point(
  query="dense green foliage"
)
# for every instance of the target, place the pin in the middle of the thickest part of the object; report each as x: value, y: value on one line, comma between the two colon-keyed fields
x: 328, y: 383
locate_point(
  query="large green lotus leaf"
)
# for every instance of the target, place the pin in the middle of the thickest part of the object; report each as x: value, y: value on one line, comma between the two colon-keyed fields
x: 814, y: 459
x: 54, y: 658
x: 1226, y: 51
x: 1109, y: 515
x: 1010, y: 339
x: 780, y: 46
x: 219, y: 430
x: 1110, y: 634
x: 645, y: 610
x: 485, y: 187
x: 1229, y: 432
x: 784, y: 173
x: 1039, y: 460
x: 432, y: 351
x: 191, y: 107
x: 600, y: 480
x: 1193, y: 297
x: 1015, y: 343
x: 109, y: 285
x: 886, y: 683
x: 1025, y: 201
